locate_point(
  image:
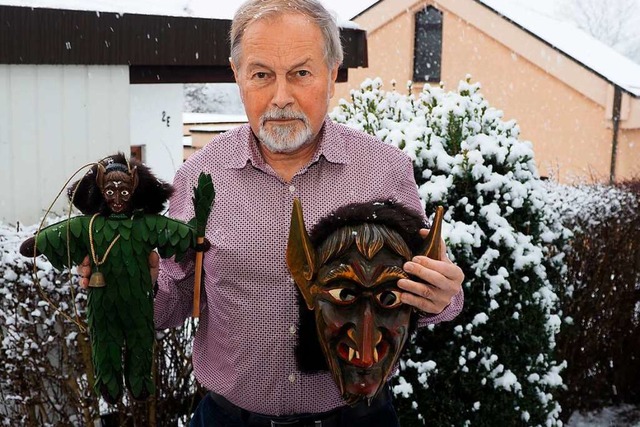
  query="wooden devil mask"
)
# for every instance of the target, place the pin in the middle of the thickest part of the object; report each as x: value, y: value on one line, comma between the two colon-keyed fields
x: 347, y: 271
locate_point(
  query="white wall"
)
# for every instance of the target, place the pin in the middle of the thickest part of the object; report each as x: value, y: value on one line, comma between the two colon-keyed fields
x: 54, y: 119
x: 156, y: 124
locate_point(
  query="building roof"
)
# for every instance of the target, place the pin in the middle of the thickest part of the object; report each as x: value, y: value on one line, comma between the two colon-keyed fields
x: 573, y: 42
x: 537, y: 18
x: 157, y: 48
x: 202, y: 118
x: 193, y: 8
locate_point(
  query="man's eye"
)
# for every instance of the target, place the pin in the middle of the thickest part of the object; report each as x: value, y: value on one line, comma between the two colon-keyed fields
x: 260, y: 75
x: 342, y: 294
x: 389, y: 299
x: 303, y: 73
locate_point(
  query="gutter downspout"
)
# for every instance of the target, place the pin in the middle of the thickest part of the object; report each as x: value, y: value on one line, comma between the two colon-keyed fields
x: 617, y: 102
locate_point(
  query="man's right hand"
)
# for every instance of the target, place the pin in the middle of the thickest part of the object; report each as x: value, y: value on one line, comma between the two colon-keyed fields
x: 84, y: 269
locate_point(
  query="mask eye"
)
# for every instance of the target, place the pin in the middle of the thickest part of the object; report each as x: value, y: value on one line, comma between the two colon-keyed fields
x: 389, y: 299
x: 344, y: 295
x: 124, y: 192
x: 109, y: 192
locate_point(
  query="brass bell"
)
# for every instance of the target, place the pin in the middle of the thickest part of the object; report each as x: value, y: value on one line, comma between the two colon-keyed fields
x: 97, y: 280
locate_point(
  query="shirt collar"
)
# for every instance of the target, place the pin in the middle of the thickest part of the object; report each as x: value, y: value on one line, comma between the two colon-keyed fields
x: 333, y: 147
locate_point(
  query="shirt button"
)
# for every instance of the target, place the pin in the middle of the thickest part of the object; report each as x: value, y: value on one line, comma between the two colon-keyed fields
x: 292, y: 378
x: 292, y: 189
x: 292, y: 329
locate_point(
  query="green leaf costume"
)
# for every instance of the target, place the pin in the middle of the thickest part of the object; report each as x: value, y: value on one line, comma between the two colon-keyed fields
x: 120, y: 315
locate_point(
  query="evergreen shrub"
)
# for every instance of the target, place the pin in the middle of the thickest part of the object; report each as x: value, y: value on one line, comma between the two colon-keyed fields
x: 493, y: 365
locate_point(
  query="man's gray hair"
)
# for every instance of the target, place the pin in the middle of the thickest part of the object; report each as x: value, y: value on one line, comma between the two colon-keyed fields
x: 253, y: 10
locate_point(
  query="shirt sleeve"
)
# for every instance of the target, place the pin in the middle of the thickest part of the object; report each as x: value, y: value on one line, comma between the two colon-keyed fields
x: 174, y: 297
x: 407, y: 194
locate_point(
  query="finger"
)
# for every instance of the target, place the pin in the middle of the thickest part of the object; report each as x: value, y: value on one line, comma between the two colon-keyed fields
x: 154, y: 259
x: 416, y: 288
x: 424, y: 232
x: 84, y: 269
x: 430, y: 304
x: 154, y: 266
x: 443, y: 252
x: 431, y: 270
x: 84, y: 282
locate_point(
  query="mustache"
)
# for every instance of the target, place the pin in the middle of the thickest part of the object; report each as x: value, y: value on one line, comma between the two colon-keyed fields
x: 278, y: 114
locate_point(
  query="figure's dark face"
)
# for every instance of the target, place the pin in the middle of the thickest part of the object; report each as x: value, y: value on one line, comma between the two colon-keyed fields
x: 117, y: 193
x: 362, y: 325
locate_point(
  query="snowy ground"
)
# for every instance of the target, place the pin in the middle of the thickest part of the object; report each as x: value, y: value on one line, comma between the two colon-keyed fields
x: 619, y: 416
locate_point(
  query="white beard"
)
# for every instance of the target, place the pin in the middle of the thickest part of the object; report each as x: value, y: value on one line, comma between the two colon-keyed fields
x: 284, y: 138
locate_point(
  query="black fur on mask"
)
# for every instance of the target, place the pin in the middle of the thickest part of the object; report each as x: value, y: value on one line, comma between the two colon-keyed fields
x: 150, y: 195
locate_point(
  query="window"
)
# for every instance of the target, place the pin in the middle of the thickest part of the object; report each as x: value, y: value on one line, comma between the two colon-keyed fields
x: 427, y: 60
x: 137, y: 153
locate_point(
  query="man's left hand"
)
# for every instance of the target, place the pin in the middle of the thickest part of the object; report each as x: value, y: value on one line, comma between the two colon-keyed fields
x: 439, y: 281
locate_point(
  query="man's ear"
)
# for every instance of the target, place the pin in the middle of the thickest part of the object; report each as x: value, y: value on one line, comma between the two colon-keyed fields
x: 332, y: 83
x: 301, y: 255
x: 431, y: 245
x: 234, y: 67
x: 236, y: 72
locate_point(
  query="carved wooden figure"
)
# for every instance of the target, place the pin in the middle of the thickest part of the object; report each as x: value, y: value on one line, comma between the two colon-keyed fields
x: 121, y: 225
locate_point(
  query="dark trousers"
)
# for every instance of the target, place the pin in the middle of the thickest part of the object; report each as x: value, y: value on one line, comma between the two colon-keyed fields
x: 215, y: 411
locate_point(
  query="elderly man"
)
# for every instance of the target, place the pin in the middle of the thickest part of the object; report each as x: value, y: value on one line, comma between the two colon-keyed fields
x: 285, y: 56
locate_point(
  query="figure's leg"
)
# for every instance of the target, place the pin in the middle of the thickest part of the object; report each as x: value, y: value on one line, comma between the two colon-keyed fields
x: 107, y: 340
x: 140, y: 340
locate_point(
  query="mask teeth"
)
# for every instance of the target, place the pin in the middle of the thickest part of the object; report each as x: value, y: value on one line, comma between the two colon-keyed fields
x: 375, y: 355
x: 351, y: 353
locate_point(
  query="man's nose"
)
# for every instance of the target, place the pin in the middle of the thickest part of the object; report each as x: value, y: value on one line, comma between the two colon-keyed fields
x: 282, y: 96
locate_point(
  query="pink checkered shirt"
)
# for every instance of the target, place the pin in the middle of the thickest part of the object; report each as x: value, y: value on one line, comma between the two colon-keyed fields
x: 244, y: 346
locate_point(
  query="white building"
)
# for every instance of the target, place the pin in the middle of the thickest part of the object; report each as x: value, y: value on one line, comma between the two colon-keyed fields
x: 78, y: 85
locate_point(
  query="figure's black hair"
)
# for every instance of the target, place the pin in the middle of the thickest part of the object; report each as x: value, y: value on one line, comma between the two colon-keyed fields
x: 149, y: 196
x: 405, y: 221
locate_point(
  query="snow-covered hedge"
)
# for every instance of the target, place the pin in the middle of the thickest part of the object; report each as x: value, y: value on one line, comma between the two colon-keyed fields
x: 493, y: 365
x: 601, y: 299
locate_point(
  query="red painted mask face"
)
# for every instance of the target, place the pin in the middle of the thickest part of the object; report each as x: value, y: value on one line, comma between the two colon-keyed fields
x: 117, y: 193
x: 117, y: 183
x: 361, y: 323
x: 350, y: 281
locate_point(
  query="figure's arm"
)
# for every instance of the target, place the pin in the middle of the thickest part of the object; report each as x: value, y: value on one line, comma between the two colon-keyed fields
x: 436, y: 286
x: 60, y: 243
x: 172, y: 237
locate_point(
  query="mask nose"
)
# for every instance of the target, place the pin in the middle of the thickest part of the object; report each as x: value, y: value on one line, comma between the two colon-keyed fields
x: 366, y: 336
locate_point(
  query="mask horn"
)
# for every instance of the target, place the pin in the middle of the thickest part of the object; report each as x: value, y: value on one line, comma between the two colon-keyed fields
x: 100, y: 176
x: 301, y: 256
x: 134, y: 178
x: 433, y: 241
